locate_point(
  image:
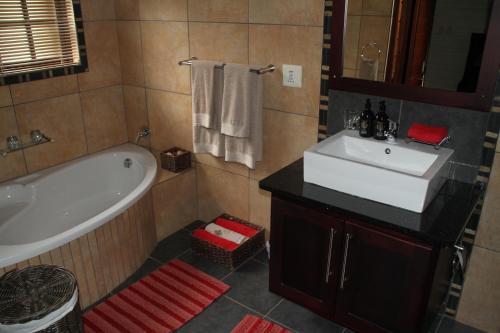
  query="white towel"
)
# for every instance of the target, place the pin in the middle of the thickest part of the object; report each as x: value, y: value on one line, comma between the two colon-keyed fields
x: 241, y: 98
x: 202, y: 86
x: 248, y: 150
x: 225, y: 233
x: 210, y: 140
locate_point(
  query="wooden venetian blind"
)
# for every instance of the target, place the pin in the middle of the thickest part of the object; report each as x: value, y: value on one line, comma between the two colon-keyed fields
x: 37, y: 35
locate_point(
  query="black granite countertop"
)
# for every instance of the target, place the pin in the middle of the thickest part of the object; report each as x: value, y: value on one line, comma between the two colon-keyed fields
x: 441, y: 223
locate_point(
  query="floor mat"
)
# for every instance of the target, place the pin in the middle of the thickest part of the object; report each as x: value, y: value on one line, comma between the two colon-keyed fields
x: 253, y: 324
x: 163, y: 301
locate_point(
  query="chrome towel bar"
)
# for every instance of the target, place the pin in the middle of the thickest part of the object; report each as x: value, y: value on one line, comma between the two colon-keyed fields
x: 268, y: 69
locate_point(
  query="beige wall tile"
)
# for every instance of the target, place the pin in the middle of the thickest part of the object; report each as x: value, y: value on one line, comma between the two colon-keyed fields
x: 95, y: 10
x: 46, y: 88
x: 218, y: 162
x: 218, y: 10
x: 129, y: 41
x: 286, y: 136
x: 104, y: 118
x: 377, y: 7
x: 220, y: 191
x: 134, y: 100
x: 170, y: 120
x: 168, y: 10
x: 5, y: 99
x: 298, y: 12
x: 351, y: 41
x: 479, y: 305
x: 219, y: 41
x: 103, y: 56
x: 278, y: 45
x: 164, y: 44
x: 174, y: 203
x: 59, y: 118
x: 355, y: 7
x: 127, y: 9
x: 260, y: 206
x: 12, y: 165
x: 488, y: 233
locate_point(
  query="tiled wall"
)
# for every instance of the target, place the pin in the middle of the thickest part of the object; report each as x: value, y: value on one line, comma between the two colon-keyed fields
x: 154, y: 35
x: 83, y: 113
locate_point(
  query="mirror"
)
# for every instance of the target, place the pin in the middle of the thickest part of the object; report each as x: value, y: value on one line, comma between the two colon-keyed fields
x: 421, y: 49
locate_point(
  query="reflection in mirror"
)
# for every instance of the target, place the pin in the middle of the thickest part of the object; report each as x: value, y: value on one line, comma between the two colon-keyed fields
x: 429, y: 43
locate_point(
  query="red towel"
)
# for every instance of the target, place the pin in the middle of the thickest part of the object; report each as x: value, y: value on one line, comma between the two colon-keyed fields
x: 214, y: 239
x: 428, y: 134
x: 236, y: 227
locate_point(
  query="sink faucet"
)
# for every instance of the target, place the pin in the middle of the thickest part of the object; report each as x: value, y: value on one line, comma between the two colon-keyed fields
x: 143, y: 133
x: 390, y: 134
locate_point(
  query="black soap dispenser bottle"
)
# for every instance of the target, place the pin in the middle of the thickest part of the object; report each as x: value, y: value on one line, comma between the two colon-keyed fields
x: 381, y: 122
x: 366, y: 121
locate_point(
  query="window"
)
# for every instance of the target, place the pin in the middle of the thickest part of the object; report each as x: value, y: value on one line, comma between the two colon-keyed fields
x: 37, y: 35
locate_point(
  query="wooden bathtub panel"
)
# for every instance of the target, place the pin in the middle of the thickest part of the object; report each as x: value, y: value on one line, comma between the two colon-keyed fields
x: 102, y: 259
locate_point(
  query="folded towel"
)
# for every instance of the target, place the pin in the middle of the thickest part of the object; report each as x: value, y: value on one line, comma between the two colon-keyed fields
x: 427, y: 134
x: 242, y: 97
x: 227, y: 234
x: 209, y: 139
x: 236, y: 227
x: 216, y: 240
x: 203, y: 84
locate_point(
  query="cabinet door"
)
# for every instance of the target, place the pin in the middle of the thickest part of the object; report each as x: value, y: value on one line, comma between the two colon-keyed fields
x: 305, y: 255
x: 384, y: 281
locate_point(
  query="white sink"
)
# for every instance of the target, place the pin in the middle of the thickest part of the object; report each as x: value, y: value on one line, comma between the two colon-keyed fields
x: 405, y: 175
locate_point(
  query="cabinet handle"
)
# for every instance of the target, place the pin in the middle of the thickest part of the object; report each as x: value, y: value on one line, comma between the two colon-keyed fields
x: 329, y: 262
x: 346, y: 251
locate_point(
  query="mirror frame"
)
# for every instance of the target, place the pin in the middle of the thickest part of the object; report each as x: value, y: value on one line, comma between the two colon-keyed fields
x: 480, y: 100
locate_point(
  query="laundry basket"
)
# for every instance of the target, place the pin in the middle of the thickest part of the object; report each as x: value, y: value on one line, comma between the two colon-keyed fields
x: 39, y: 299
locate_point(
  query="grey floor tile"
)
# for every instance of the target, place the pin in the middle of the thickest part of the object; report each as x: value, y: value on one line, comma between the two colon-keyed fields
x: 302, y: 320
x: 220, y: 317
x: 250, y: 286
x: 262, y: 257
x: 194, y: 225
x: 172, y: 246
x: 205, y: 265
x: 449, y: 325
x: 145, y: 269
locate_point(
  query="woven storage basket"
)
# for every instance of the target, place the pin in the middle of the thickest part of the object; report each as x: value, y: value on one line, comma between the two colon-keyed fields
x: 230, y: 259
x: 175, y: 163
x: 31, y: 294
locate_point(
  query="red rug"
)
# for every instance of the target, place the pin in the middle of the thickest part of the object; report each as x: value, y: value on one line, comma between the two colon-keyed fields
x: 161, y: 302
x: 253, y: 324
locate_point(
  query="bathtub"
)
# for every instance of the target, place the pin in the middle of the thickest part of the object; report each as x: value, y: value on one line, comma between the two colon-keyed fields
x: 48, y: 209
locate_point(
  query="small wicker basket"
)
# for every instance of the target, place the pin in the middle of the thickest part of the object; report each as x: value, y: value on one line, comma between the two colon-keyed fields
x: 230, y: 259
x: 175, y: 159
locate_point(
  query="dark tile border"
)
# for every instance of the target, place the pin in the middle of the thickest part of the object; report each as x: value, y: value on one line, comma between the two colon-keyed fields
x: 50, y: 73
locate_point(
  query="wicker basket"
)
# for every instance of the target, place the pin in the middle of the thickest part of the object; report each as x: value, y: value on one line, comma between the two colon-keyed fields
x: 230, y: 259
x: 32, y: 293
x: 175, y: 159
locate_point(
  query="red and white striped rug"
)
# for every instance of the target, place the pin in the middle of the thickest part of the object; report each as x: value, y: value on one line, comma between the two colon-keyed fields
x: 163, y: 301
x: 253, y: 324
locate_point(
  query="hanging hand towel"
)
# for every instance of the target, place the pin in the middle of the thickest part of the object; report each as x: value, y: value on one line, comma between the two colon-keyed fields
x: 202, y: 86
x: 241, y: 99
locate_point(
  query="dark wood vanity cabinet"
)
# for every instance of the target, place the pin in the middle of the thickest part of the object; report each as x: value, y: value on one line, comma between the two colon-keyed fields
x: 364, y: 277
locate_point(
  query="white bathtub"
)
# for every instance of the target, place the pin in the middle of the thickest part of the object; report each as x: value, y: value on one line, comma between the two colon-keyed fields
x: 45, y: 210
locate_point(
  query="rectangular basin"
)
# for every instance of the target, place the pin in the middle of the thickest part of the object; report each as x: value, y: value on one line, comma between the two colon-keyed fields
x: 400, y: 174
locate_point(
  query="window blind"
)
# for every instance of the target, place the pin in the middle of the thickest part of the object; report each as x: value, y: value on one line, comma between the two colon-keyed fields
x: 37, y: 35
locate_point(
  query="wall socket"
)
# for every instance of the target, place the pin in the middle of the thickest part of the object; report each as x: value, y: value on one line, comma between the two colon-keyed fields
x: 292, y: 76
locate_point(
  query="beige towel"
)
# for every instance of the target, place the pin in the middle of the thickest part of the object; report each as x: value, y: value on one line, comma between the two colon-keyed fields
x: 202, y: 86
x: 248, y: 150
x: 210, y: 140
x: 241, y: 98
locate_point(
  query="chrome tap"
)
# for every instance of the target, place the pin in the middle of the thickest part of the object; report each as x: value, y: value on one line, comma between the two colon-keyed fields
x: 143, y: 133
x: 390, y: 134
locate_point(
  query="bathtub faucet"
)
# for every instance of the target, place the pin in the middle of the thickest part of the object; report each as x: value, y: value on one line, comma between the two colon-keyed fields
x: 143, y: 133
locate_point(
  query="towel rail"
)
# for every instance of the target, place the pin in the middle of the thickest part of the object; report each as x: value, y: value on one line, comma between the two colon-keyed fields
x: 268, y: 69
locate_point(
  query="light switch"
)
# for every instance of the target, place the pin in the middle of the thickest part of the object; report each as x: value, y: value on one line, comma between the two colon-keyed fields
x: 292, y: 76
